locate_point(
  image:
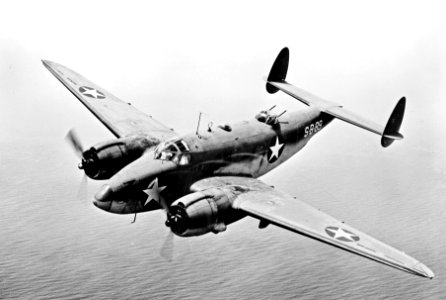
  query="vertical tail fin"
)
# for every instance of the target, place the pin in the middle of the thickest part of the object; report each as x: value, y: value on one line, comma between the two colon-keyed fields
x: 391, y: 131
x: 278, y: 70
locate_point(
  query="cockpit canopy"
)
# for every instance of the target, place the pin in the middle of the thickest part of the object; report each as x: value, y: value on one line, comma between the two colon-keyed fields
x: 176, y: 151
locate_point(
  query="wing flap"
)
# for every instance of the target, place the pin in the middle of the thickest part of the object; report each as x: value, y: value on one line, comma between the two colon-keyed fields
x: 121, y: 118
x: 268, y: 204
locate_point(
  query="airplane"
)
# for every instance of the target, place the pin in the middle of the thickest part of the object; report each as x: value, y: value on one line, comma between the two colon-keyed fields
x: 206, y: 180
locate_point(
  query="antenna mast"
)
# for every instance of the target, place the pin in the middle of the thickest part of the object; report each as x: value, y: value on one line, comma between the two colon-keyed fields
x: 198, y: 125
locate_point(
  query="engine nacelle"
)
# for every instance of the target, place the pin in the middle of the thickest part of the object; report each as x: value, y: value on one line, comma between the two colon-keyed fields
x: 105, y: 159
x: 202, y: 212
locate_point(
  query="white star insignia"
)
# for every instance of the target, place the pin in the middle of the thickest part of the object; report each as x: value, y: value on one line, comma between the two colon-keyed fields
x: 153, y: 191
x: 92, y: 93
x: 341, y: 233
x: 275, y: 149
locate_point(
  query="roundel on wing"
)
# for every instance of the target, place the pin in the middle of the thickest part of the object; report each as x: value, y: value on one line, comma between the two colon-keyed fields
x: 91, y: 92
x: 341, y: 234
x: 275, y: 148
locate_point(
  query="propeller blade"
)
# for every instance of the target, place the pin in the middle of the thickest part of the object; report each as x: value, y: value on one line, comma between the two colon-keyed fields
x: 166, y: 250
x: 83, y: 187
x: 73, y: 139
x: 164, y: 205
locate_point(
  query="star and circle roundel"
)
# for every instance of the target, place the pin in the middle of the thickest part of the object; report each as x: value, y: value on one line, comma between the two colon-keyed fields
x: 91, y: 92
x: 275, y: 148
x: 341, y: 234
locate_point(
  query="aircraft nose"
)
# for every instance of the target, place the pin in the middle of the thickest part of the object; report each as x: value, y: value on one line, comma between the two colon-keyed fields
x: 102, y: 198
x: 104, y: 205
x: 104, y: 193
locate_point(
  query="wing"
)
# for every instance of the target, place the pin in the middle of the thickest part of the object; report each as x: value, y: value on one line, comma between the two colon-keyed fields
x: 272, y: 206
x: 121, y: 118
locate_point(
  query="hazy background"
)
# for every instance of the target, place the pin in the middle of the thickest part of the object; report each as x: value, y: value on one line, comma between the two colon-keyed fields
x: 173, y: 59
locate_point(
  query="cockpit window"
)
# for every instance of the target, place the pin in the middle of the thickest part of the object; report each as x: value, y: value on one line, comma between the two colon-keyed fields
x: 176, y: 151
x: 171, y: 148
x: 182, y: 146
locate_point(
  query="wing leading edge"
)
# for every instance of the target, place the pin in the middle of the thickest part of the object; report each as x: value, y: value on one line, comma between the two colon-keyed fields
x: 121, y: 118
x: 272, y: 206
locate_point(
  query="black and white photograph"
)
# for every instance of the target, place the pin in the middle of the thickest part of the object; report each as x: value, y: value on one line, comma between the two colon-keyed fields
x: 222, y: 150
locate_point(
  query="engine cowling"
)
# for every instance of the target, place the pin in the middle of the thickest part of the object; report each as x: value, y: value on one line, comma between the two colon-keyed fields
x: 105, y: 159
x: 202, y: 212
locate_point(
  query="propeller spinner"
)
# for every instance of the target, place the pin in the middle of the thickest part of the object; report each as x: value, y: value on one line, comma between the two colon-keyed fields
x: 88, y: 157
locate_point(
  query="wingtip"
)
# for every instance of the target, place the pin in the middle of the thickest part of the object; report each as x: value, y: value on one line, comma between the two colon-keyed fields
x: 46, y: 63
x: 49, y: 63
x: 424, y: 271
x: 428, y: 272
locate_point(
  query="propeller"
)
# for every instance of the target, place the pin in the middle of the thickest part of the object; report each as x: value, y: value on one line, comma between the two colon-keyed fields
x: 73, y: 139
x: 166, y: 250
x: 83, y: 187
x: 164, y: 205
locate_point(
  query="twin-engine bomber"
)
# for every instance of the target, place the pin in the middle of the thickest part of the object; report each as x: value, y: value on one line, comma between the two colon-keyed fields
x: 205, y: 181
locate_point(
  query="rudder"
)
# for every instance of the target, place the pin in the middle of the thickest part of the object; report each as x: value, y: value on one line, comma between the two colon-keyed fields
x: 391, y: 131
x: 278, y: 70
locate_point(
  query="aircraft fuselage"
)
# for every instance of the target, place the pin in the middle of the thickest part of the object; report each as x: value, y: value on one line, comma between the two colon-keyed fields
x: 249, y: 148
x: 253, y: 148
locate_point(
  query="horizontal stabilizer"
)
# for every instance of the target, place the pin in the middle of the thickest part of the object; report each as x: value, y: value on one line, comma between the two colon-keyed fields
x: 276, y: 81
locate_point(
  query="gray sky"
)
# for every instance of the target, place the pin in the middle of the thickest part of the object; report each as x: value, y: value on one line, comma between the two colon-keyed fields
x: 173, y: 59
